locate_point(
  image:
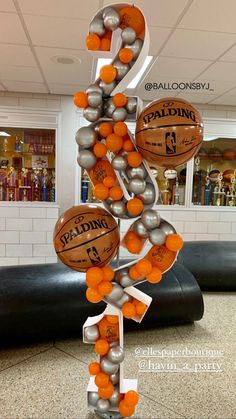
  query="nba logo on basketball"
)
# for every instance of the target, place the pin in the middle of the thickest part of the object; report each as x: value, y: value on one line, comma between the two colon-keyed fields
x: 170, y: 139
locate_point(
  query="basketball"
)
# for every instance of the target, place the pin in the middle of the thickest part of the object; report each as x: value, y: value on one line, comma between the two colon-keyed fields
x: 100, y: 171
x: 161, y: 257
x: 169, y: 132
x: 86, y: 236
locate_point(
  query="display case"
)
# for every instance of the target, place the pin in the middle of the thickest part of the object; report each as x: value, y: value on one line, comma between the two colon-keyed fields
x: 27, y: 164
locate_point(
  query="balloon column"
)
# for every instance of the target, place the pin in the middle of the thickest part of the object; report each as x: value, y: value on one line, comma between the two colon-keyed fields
x: 86, y: 237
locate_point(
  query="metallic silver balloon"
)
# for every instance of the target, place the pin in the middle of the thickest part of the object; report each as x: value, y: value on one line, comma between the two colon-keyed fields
x: 86, y: 137
x: 150, y: 219
x: 97, y: 26
x: 94, y: 87
x: 119, y: 163
x: 116, y: 355
x: 115, y: 343
x: 114, y: 378
x: 93, y: 398
x: 149, y: 195
x: 136, y: 185
x: 92, y: 114
x: 157, y: 237
x: 115, y: 398
x: 124, y: 279
x: 119, y: 114
x: 86, y: 159
x: 122, y: 69
x: 111, y: 19
x: 109, y: 107
x: 139, y: 171
x: 140, y: 229
x: 167, y: 227
x: 118, y: 209
x: 94, y: 99
x: 131, y: 105
x: 128, y: 35
x: 116, y: 293
x: 103, y: 406
x: 107, y: 88
x: 126, y: 298
x: 108, y: 366
x: 135, y: 47
x: 91, y: 333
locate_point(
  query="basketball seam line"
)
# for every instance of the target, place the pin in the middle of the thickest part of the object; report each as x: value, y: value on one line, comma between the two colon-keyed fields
x: 170, y: 155
x: 168, y: 126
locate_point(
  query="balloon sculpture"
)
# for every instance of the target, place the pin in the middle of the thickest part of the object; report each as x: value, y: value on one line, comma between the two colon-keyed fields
x: 86, y: 237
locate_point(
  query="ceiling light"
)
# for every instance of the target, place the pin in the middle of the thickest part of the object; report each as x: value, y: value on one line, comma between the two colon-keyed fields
x: 104, y: 61
x: 4, y: 134
x: 60, y: 59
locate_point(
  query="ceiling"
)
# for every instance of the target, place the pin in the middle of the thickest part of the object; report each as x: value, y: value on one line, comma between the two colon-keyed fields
x: 191, y: 40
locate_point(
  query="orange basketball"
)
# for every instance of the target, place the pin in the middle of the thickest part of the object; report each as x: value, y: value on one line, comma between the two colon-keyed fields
x: 86, y: 236
x: 101, y: 170
x: 169, y: 132
x: 132, y: 16
x: 108, y: 331
x: 161, y: 257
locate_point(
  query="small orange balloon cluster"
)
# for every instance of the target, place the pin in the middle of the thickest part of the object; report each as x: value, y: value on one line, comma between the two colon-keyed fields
x: 145, y: 270
x: 98, y: 281
x: 133, y: 242
x: 94, y: 42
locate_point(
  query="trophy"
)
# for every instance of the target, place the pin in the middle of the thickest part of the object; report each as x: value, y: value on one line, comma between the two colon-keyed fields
x: 36, y: 185
x: 207, y: 189
x: 11, y: 185
x: 44, y: 187
x: 219, y: 193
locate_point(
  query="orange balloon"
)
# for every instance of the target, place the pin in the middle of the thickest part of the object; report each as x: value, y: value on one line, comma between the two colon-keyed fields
x: 144, y: 267
x: 105, y: 44
x: 130, y: 236
x: 101, y: 192
x: 107, y: 35
x: 94, y: 276
x: 108, y: 330
x: 120, y: 128
x: 93, y: 42
x: 94, y: 368
x: 125, y: 409
x: 134, y: 246
x: 106, y: 392
x: 126, y: 55
x: 112, y: 319
x: 128, y: 145
x: 119, y: 100
x: 108, y: 273
x: 109, y: 181
x: 174, y: 242
x: 116, y: 193
x: 134, y: 159
x: 140, y: 308
x: 161, y: 257
x: 135, y: 206
x: 101, y: 169
x: 81, y: 99
x: 128, y: 310
x: 100, y: 150
x: 101, y: 379
x: 108, y: 73
x: 101, y: 347
x: 114, y: 143
x: 134, y: 274
x: 131, y: 398
x: 93, y: 296
x: 154, y: 276
x: 131, y: 16
x: 105, y: 129
x: 104, y: 288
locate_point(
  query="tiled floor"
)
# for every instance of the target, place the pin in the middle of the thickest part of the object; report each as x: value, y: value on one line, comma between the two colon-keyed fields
x: 49, y: 380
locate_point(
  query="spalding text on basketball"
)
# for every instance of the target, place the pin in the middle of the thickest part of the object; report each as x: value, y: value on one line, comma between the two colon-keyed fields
x: 84, y: 227
x: 185, y: 113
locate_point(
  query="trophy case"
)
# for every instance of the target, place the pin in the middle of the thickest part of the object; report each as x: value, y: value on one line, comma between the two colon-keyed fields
x: 27, y: 164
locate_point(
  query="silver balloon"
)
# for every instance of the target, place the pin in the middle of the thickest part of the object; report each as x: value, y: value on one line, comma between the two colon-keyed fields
x: 124, y: 279
x: 119, y: 114
x: 86, y: 137
x: 111, y: 19
x: 115, y: 343
x: 92, y: 114
x: 114, y: 378
x: 140, y: 229
x: 126, y: 298
x: 157, y: 237
x: 91, y: 333
x: 139, y: 171
x: 135, y: 47
x: 108, y: 366
x: 149, y: 195
x: 116, y: 293
x: 93, y: 398
x: 94, y: 99
x: 122, y: 69
x: 94, y: 88
x: 86, y: 159
x: 103, y: 406
x: 115, y: 398
x: 119, y: 163
x: 131, y: 105
x: 136, y: 185
x: 118, y: 209
x: 116, y: 355
x: 97, y: 26
x: 109, y: 107
x: 167, y: 227
x: 107, y: 88
x: 128, y: 35
x: 150, y: 219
